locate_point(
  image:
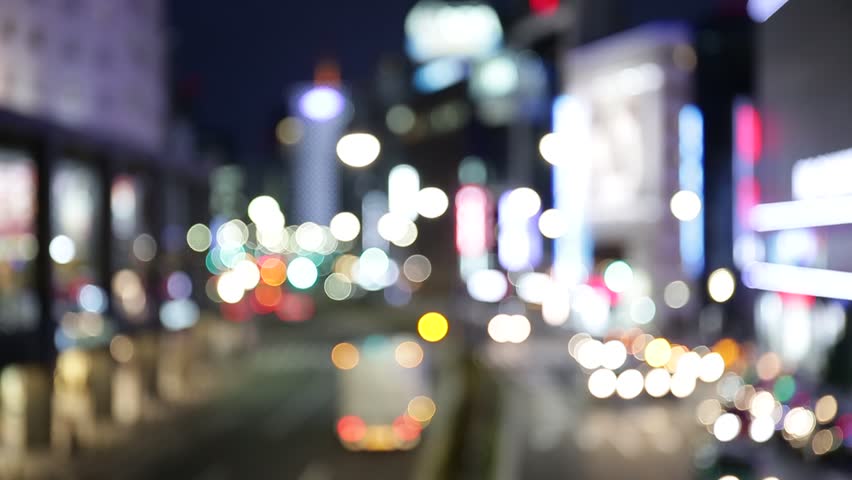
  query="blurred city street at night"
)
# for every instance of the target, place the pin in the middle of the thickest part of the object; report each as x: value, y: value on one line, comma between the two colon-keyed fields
x: 426, y: 240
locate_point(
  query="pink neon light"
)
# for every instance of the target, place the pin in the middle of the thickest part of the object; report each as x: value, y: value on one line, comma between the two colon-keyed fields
x: 473, y: 223
x: 749, y: 133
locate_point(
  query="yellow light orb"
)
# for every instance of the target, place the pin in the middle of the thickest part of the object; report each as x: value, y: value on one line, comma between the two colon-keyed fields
x: 433, y: 327
x: 658, y: 352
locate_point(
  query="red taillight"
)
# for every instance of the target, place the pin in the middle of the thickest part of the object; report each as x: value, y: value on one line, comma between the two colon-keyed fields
x: 351, y: 429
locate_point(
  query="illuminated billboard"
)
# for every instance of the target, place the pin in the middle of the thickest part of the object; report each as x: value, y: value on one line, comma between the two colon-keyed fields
x: 630, y: 177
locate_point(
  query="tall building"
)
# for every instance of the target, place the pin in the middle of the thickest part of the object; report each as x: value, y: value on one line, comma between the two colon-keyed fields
x: 91, y: 65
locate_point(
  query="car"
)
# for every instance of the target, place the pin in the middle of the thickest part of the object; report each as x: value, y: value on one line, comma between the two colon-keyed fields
x: 384, y: 400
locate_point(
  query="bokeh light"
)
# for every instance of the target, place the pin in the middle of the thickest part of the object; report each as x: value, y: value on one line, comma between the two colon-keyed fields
x: 62, y: 249
x: 676, y: 294
x: 198, y: 237
x: 685, y: 205
x: 658, y: 352
x: 345, y: 356
x: 602, y: 383
x: 433, y: 327
x: 345, y: 226
x: 552, y: 223
x: 421, y: 408
x: 408, y: 354
x: 721, y: 285
x: 273, y: 271
x: 432, y: 202
x: 417, y: 268
x: 618, y: 276
x: 657, y: 382
x: 358, y: 149
x: 629, y: 384
x: 727, y: 427
x: 302, y: 273
x: 337, y: 287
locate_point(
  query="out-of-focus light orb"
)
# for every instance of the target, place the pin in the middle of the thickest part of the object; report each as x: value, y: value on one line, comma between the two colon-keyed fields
x: 407, y: 238
x: 345, y: 356
x: 826, y: 409
x: 358, y: 149
x: 232, y: 234
x: 310, y: 237
x: 761, y: 429
x: 432, y: 202
x: 289, y: 131
x: 658, y: 352
x: 351, y: 429
x: 729, y: 477
x: 198, y: 237
x: 400, y: 119
x: 630, y: 384
x: 576, y: 341
x: 265, y: 212
x: 395, y: 228
x: 179, y: 285
x: 433, y: 327
x: 643, y: 310
x: 552, y: 223
x: 496, y: 328
x: 532, y: 287
x: 488, y: 286
x: 762, y: 404
x: 618, y: 276
x: 518, y: 328
x: 657, y: 382
x: 708, y: 411
x: 345, y: 226
x: 505, y: 328
x: 179, y: 314
x: 602, y: 383
x: 525, y: 203
x: 822, y: 442
x: 472, y: 171
x: 769, y: 366
x: 685, y: 205
x: 337, y: 287
x: 689, y: 364
x: 321, y: 103
x: 676, y: 294
x: 302, y: 273
x: 421, y: 408
x: 712, y: 367
x: 408, y: 354
x: 273, y: 271
x: 121, y: 348
x: 784, y: 388
x: 248, y: 273
x: 230, y: 287
x: 495, y: 77
x: 144, y: 247
x: 682, y: 385
x: 721, y: 285
x: 590, y: 354
x: 727, y: 427
x: 614, y: 354
x: 417, y: 268
x: 374, y: 270
x: 556, y: 307
x: 554, y: 148
x: 92, y: 298
x: 799, y: 422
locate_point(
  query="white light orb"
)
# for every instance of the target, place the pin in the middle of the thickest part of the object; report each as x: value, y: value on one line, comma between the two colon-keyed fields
x: 345, y: 226
x: 358, y: 149
x: 685, y: 205
x: 432, y: 202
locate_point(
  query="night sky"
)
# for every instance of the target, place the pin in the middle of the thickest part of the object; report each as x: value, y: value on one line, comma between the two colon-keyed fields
x: 237, y: 58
